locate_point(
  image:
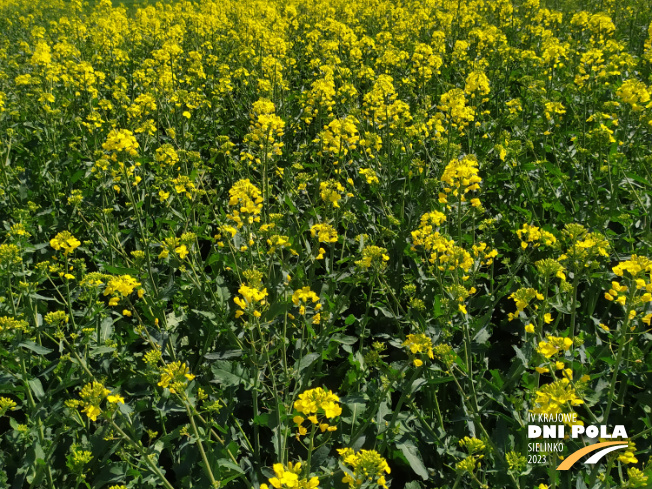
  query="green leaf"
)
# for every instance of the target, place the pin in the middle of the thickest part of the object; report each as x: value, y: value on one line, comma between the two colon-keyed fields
x: 308, y: 360
x: 345, y: 340
x: 38, y: 349
x: 37, y: 387
x: 106, y: 329
x: 413, y: 457
x: 223, y: 355
x: 262, y: 419
x: 229, y: 374
x: 230, y: 465
x: 100, y: 350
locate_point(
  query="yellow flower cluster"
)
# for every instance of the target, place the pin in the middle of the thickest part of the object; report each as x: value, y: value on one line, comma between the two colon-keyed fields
x: 265, y: 133
x: 522, y: 298
x: 559, y: 396
x: 175, y: 377
x: 584, y: 248
x: 635, y: 266
x: 331, y: 192
x: 430, y: 219
x: 628, y: 456
x: 166, y: 155
x: 10, y: 255
x: 549, y: 267
x: 65, y: 241
x: 365, y: 465
x: 635, y: 93
x: 637, y: 478
x: 121, y: 140
x: 304, y: 297
x: 426, y: 63
x: 373, y: 257
x: 6, y: 404
x: 481, y: 251
x: 288, y: 477
x: 454, y: 108
x: 325, y: 233
x: 418, y: 344
x: 321, y: 96
x: 553, y: 345
x: 18, y: 230
x: 381, y: 105
x: 246, y: 200
x: 182, y: 185
x: 460, y: 177
x: 370, y: 175
x: 477, y: 83
x: 314, y: 404
x: 276, y: 242
x: 553, y: 109
x: 535, y: 236
x: 636, y: 270
x: 449, y: 256
x: 92, y: 395
x: 56, y: 318
x: 340, y: 136
x: 474, y: 447
x: 251, y: 297
x: 121, y: 287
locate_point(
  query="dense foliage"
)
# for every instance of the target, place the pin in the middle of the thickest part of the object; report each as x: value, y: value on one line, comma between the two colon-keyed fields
x: 299, y: 244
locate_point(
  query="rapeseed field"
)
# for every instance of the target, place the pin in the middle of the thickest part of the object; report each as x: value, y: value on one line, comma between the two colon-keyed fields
x: 329, y: 244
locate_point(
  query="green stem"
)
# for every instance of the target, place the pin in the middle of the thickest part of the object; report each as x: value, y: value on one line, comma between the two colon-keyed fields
x: 144, y: 455
x: 397, y: 410
x: 214, y: 483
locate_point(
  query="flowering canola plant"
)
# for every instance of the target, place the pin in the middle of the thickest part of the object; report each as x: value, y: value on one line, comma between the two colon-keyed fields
x: 434, y: 211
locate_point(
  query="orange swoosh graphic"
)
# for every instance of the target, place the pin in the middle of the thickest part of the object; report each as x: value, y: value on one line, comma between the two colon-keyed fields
x: 575, y: 456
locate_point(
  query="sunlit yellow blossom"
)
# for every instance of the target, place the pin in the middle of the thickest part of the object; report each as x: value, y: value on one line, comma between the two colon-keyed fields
x: 65, y: 241
x: 175, y: 376
x: 553, y: 345
x: 366, y: 465
x: 325, y: 233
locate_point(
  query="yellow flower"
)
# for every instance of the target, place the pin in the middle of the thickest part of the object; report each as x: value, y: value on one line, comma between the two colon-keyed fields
x: 419, y: 343
x: 6, y: 404
x: 315, y: 403
x: 182, y: 251
x: 115, y: 399
x: 365, y: 465
x: 288, y: 477
x: 373, y: 256
x: 325, y: 233
x: 92, y: 412
x: 65, y: 241
x: 331, y: 192
x: 553, y: 345
x: 304, y: 295
x: 175, y: 376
